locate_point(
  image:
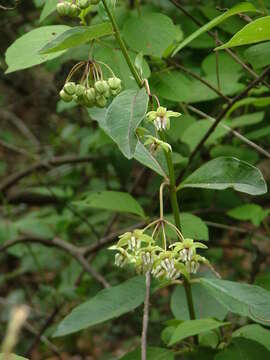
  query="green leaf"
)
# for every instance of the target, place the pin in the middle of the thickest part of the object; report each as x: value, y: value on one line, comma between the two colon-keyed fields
x: 245, y: 120
x: 106, y: 305
x: 254, y: 332
x: 241, y: 152
x: 254, y: 32
x: 24, y: 52
x: 174, y: 86
x: 195, y: 132
x: 193, y: 227
x: 112, y: 200
x: 253, y: 212
x: 243, y: 349
x: 205, y: 304
x: 153, y: 353
x: 12, y: 357
x: 122, y: 118
x: 243, y: 7
x: 225, y: 172
x: 155, y: 162
x: 194, y: 327
x: 77, y: 36
x: 242, y: 299
x: 49, y: 7
x: 151, y: 33
x: 259, y: 133
x: 258, y: 55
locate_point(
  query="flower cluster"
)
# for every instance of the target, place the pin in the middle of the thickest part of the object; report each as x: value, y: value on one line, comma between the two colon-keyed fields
x: 161, y: 117
x: 140, y: 250
x: 72, y: 8
x: 92, y: 89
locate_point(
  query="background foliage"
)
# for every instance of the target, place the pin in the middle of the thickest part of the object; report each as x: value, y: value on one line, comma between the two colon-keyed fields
x: 71, y: 182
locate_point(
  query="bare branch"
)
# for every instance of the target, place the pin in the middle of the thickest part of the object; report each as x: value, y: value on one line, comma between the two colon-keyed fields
x: 42, y: 165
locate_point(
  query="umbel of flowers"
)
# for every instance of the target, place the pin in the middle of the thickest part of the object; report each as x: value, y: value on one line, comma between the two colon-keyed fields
x: 73, y: 8
x: 91, y: 89
x: 141, y: 250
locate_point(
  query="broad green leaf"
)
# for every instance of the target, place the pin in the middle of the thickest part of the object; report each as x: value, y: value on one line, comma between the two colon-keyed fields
x: 179, y: 126
x: 254, y: 332
x: 195, y: 132
x: 205, y: 304
x: 193, y: 327
x: 254, y: 32
x: 226, y: 64
x: 107, y: 304
x: 225, y: 172
x: 112, y: 200
x: 263, y: 280
x: 255, y: 101
x: 49, y: 7
x: 243, y: 349
x: 259, y: 133
x: 155, y: 162
x: 151, y: 33
x: 192, y: 227
x: 122, y: 118
x: 258, y: 55
x: 174, y: 86
x: 245, y: 120
x: 242, y: 7
x: 240, y: 152
x: 243, y: 299
x: 253, y: 212
x: 24, y: 52
x: 12, y: 357
x: 153, y: 353
x: 76, y: 36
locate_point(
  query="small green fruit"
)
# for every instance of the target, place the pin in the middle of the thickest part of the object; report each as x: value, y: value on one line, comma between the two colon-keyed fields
x: 114, y: 83
x: 70, y: 88
x: 83, y: 4
x: 80, y: 90
x: 101, y: 101
x: 64, y: 96
x: 101, y: 86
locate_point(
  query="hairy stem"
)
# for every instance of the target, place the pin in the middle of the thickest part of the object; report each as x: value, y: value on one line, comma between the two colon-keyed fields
x: 145, y: 316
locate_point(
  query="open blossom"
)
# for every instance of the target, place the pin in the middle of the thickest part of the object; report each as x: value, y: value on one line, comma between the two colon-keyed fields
x: 161, y: 117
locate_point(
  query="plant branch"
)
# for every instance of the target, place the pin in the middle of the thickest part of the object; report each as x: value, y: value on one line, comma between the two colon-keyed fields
x: 42, y: 165
x: 231, y: 131
x: 145, y: 316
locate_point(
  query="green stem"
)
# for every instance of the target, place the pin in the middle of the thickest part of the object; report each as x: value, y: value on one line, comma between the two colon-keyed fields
x: 122, y: 45
x: 173, y: 195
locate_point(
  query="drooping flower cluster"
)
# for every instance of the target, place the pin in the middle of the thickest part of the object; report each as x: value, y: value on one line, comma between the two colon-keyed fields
x: 72, y: 8
x: 140, y: 250
x: 161, y: 117
x: 92, y: 89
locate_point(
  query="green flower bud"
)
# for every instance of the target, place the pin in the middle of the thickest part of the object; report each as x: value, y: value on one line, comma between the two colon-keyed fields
x: 90, y: 94
x: 64, y: 96
x: 83, y: 4
x: 61, y: 9
x: 101, y: 86
x: 114, y: 83
x: 116, y: 91
x: 70, y: 88
x: 74, y: 10
x: 101, y: 101
x: 80, y: 90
